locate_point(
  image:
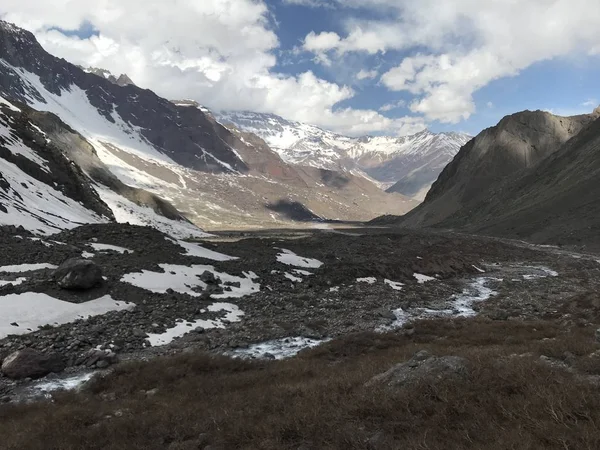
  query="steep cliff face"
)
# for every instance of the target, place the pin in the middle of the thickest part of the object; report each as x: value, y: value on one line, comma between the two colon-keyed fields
x: 518, y: 142
x: 554, y: 202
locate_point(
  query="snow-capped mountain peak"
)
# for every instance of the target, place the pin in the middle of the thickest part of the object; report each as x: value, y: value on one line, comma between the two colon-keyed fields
x: 387, y: 159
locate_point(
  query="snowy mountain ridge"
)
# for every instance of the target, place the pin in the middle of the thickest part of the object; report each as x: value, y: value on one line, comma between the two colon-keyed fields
x: 386, y: 159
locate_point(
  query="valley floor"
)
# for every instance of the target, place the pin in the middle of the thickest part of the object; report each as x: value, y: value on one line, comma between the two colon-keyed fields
x: 519, y: 319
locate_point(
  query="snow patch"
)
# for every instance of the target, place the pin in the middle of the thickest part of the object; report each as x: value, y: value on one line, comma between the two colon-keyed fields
x: 192, y: 249
x: 108, y: 247
x: 421, y: 279
x: 21, y: 268
x: 368, y: 280
x: 5, y: 102
x: 394, y: 284
x: 291, y: 259
x: 293, y: 278
x: 306, y: 273
x: 25, y: 313
x: 233, y: 314
x: 186, y: 280
x: 13, y: 283
x: 541, y: 272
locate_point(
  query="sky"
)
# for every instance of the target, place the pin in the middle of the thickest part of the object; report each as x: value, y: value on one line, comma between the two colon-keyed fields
x: 352, y: 66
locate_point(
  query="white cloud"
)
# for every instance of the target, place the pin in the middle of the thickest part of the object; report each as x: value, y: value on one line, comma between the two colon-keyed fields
x: 218, y: 52
x: 311, y: 3
x: 366, y: 74
x: 591, y: 103
x: 490, y: 105
x: 463, y: 45
x: 392, y: 106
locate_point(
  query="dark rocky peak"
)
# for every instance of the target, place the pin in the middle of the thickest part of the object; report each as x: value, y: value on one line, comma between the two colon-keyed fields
x: 122, y: 80
x: 186, y: 135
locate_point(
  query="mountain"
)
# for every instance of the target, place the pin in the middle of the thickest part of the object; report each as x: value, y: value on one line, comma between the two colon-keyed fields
x: 175, y: 159
x: 534, y: 175
x: 121, y: 80
x: 408, y: 164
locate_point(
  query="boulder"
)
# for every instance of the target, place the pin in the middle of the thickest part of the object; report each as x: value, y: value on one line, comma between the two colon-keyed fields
x: 78, y: 274
x: 209, y: 278
x: 422, y: 366
x: 29, y: 363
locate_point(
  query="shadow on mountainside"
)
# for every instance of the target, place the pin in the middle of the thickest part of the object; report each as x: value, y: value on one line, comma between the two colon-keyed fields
x: 293, y: 210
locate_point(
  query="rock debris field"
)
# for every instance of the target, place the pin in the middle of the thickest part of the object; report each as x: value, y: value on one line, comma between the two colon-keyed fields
x: 75, y: 303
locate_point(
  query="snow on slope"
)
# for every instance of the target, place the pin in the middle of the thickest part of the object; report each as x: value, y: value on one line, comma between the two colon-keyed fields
x: 28, y: 202
x: 126, y: 211
x: 297, y: 143
x: 74, y: 108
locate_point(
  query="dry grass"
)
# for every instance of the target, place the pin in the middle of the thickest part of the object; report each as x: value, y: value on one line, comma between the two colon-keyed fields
x: 319, y: 401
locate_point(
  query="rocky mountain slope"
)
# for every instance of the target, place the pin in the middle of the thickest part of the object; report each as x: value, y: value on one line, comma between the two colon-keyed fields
x: 40, y: 189
x: 408, y: 164
x: 178, y: 153
x: 52, y: 179
x: 534, y: 176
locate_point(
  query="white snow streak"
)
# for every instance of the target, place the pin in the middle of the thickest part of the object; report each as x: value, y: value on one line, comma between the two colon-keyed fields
x: 192, y: 249
x: 368, y: 280
x: 21, y: 268
x: 14, y: 283
x: 108, y: 247
x: 421, y: 279
x: 396, y: 285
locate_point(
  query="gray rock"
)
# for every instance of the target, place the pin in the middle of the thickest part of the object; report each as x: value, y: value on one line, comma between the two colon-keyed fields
x: 139, y: 333
x: 209, y: 278
x: 422, y: 366
x: 386, y: 313
x: 97, y: 358
x: 28, y: 363
x: 78, y: 273
x: 102, y: 364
